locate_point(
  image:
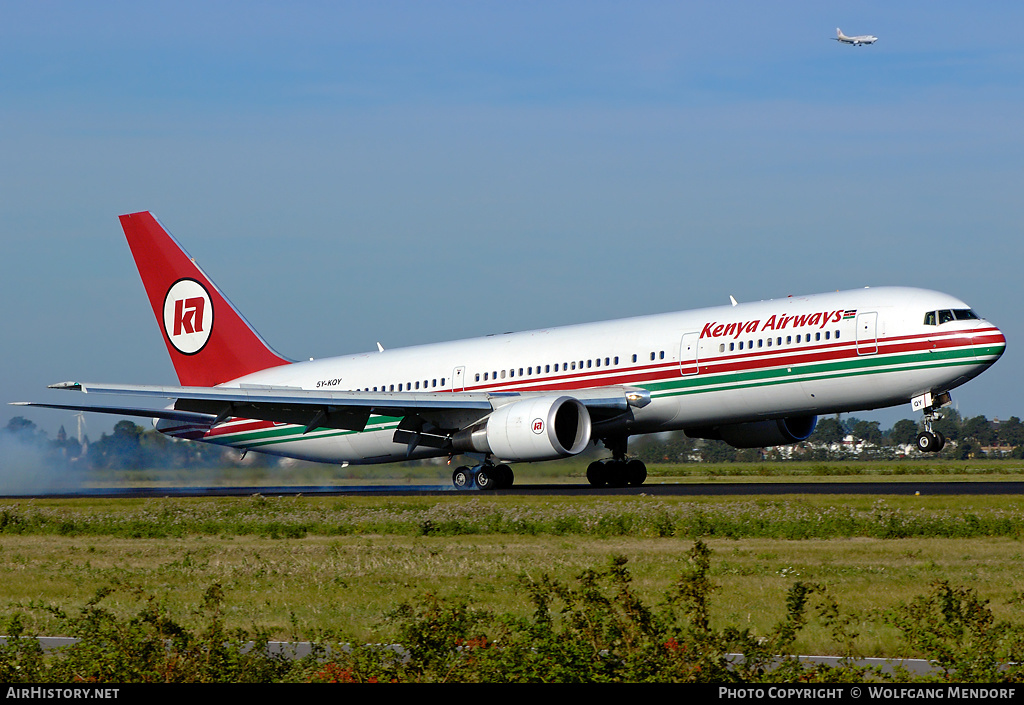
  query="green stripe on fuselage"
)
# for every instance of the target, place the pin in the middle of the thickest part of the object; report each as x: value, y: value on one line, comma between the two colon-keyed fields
x: 862, y: 365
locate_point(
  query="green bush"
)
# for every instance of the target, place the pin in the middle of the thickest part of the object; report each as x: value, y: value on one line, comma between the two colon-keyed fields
x: 594, y: 630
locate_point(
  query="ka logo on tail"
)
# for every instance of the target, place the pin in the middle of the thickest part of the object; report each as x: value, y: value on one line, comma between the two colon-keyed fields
x: 188, y: 316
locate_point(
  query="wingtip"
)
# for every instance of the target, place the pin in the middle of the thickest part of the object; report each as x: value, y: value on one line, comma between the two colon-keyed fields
x: 76, y: 386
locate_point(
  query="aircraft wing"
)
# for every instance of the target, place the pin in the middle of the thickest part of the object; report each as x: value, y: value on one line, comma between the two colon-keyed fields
x: 347, y: 410
x: 171, y: 414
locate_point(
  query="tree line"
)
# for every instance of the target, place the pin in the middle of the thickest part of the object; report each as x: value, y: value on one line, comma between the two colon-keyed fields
x: 850, y: 438
x: 129, y: 446
x: 132, y: 446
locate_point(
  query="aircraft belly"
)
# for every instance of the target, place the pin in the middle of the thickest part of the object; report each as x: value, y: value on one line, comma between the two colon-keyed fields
x: 373, y: 445
x: 736, y: 405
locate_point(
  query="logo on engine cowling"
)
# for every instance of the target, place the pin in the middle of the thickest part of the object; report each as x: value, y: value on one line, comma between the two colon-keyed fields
x: 538, y: 425
x: 188, y: 316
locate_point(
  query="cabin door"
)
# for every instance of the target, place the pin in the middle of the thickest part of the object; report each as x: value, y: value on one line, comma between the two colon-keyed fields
x: 688, y: 354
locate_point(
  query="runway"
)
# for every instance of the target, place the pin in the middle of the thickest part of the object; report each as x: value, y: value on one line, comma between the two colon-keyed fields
x: 701, y: 489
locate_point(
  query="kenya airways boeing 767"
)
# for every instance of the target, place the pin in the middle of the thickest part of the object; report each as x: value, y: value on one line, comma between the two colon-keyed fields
x: 752, y: 374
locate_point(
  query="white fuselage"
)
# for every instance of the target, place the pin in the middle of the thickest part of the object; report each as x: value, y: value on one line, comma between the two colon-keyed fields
x: 820, y: 354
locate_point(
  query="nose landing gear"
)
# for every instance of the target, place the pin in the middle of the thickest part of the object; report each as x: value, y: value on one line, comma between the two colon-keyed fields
x: 930, y: 440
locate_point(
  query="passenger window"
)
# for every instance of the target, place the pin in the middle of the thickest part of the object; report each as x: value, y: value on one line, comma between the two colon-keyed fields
x: 721, y: 348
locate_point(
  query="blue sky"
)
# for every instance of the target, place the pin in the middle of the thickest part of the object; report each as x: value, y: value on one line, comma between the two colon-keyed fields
x: 413, y: 172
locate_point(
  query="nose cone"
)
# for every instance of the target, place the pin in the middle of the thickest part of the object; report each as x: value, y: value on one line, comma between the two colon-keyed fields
x: 990, y: 344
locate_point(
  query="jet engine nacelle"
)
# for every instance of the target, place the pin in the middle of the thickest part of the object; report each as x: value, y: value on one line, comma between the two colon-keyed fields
x: 761, y: 434
x: 539, y: 428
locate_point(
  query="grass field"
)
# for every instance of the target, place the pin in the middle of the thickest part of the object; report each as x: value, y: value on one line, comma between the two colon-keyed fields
x: 304, y: 566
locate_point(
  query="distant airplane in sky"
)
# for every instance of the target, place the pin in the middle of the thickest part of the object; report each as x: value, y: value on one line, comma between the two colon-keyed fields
x: 856, y: 41
x: 752, y: 374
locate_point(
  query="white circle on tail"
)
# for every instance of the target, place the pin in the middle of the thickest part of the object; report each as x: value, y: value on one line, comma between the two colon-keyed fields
x: 188, y: 316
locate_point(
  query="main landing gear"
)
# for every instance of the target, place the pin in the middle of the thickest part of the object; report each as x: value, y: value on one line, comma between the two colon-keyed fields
x: 485, y: 476
x: 617, y: 472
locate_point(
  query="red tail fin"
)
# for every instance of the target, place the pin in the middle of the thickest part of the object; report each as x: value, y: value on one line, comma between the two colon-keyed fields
x: 208, y: 340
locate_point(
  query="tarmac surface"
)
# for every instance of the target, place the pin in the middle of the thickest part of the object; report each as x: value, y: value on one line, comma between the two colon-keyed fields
x: 682, y: 489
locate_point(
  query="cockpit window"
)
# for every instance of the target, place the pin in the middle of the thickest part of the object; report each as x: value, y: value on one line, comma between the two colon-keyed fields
x: 933, y: 318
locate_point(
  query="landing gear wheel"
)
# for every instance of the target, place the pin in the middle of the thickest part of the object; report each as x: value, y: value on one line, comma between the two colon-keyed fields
x: 462, y: 478
x: 504, y: 477
x: 941, y: 441
x: 616, y: 470
x: 596, y: 474
x: 636, y: 472
x: 927, y: 442
x: 486, y: 478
